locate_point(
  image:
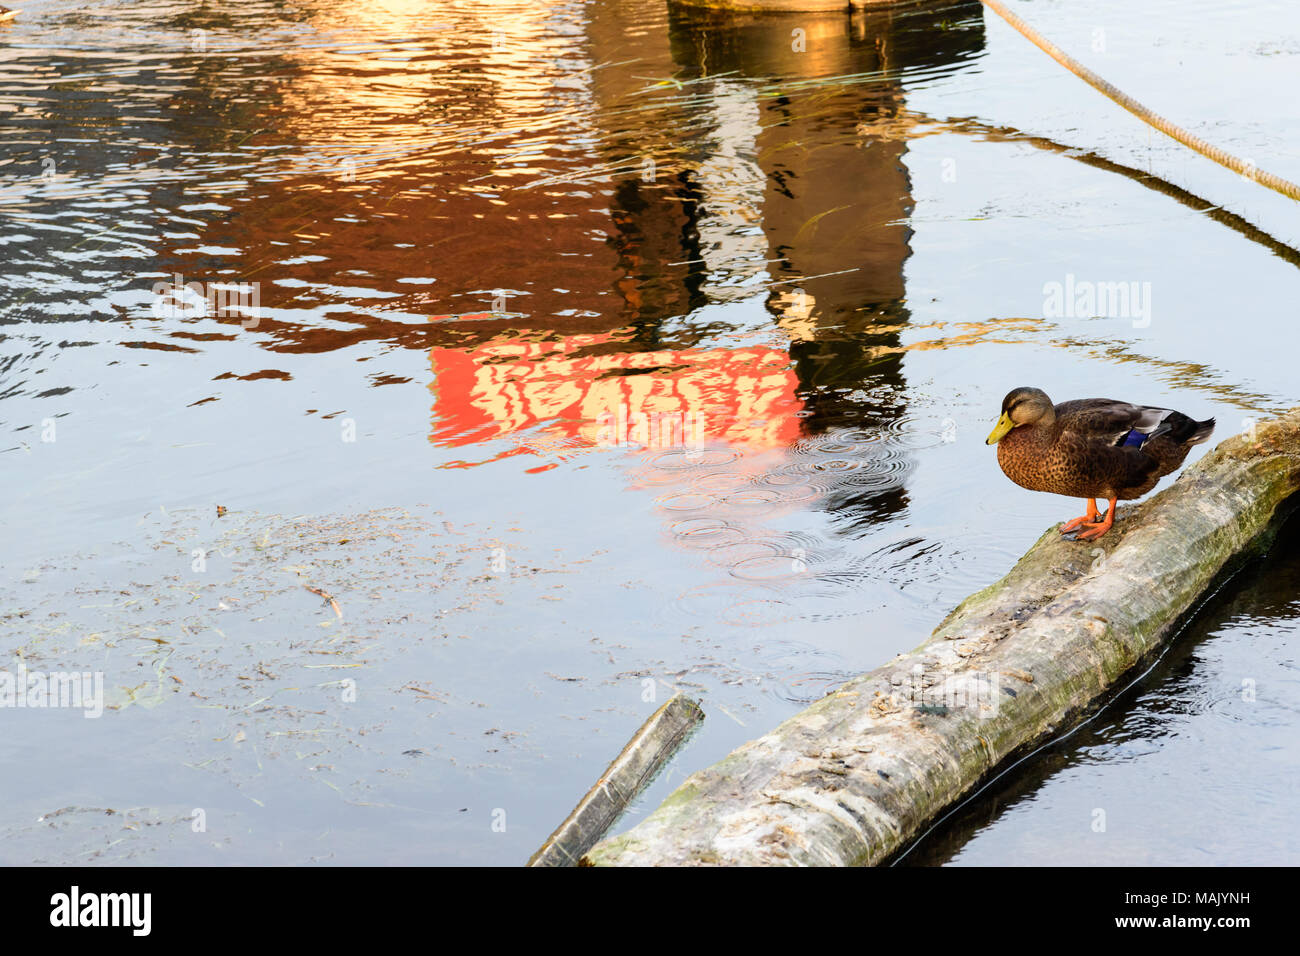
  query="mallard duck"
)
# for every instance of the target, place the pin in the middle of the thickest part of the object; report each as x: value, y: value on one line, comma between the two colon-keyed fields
x: 1091, y: 448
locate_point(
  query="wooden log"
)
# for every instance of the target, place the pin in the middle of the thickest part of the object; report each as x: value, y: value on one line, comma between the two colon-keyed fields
x: 851, y: 779
x: 647, y: 751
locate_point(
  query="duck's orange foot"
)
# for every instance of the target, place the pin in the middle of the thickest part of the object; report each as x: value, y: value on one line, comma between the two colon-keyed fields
x: 1091, y: 532
x: 1077, y: 523
x: 1089, y: 519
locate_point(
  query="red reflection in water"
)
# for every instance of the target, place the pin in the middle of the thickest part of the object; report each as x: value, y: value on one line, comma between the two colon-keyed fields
x: 568, y: 397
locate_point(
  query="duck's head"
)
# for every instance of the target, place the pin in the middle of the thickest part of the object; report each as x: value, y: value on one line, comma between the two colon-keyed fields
x: 1022, y: 406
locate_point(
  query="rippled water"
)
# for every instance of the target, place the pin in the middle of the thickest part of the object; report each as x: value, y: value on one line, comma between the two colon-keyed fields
x: 597, y: 348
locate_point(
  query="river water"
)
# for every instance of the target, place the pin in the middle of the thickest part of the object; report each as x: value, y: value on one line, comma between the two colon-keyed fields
x: 399, y: 400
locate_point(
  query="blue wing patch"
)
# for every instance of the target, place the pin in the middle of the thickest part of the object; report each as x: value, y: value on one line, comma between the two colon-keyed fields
x: 1133, y: 439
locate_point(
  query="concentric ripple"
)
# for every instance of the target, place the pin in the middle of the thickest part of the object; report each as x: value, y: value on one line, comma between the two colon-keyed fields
x: 848, y: 457
x: 734, y: 604
x: 707, y: 533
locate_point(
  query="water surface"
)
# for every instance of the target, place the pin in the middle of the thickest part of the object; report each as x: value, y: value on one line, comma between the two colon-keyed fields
x: 600, y: 349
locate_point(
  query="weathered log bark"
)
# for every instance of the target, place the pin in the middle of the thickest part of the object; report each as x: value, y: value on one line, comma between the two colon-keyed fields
x: 647, y: 751
x: 850, y: 779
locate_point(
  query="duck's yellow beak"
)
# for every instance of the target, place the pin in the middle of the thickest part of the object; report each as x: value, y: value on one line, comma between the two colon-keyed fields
x: 1004, y: 425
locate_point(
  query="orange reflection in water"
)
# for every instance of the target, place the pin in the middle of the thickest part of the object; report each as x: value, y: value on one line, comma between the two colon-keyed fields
x: 569, y: 394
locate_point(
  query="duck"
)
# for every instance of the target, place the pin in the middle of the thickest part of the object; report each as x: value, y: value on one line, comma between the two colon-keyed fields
x: 7, y: 14
x: 1091, y: 448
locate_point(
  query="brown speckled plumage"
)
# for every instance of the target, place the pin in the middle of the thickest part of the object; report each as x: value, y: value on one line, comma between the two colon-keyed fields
x: 1092, y: 447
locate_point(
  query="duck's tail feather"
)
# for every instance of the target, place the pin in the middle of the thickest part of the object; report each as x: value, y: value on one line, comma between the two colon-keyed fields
x: 1182, y: 430
x: 1201, y: 432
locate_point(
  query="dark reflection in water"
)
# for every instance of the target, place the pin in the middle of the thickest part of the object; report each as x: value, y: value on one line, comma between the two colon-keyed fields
x: 1192, y: 764
x: 835, y: 205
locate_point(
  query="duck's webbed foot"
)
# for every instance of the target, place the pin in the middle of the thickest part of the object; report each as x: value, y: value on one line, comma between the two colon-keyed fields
x: 1089, y: 519
x: 1094, y: 531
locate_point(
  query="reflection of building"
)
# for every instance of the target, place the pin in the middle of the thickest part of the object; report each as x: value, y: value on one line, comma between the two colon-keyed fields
x: 827, y: 136
x: 400, y: 147
x: 739, y: 166
x: 835, y: 192
x: 617, y: 168
x: 579, y: 395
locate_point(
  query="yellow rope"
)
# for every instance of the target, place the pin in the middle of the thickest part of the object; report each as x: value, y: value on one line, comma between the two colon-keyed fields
x: 1222, y: 157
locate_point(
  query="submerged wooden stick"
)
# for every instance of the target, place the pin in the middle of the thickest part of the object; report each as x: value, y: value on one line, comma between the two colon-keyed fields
x: 647, y: 751
x: 853, y: 778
